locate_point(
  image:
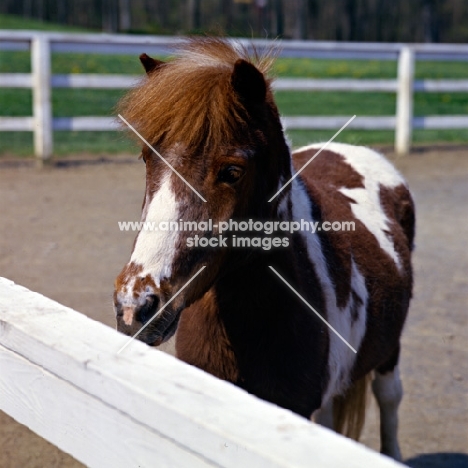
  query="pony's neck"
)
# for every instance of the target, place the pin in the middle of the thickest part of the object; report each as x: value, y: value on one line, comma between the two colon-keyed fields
x: 257, y: 276
x: 293, y: 205
x: 280, y: 348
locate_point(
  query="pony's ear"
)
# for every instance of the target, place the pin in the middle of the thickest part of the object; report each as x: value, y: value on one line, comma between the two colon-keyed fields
x: 248, y: 82
x: 150, y: 63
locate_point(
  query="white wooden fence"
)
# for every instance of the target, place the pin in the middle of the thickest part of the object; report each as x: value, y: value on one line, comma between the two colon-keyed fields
x: 41, y: 81
x: 61, y: 376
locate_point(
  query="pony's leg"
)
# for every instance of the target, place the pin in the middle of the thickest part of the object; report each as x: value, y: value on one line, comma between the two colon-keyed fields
x: 388, y: 391
x: 324, y: 415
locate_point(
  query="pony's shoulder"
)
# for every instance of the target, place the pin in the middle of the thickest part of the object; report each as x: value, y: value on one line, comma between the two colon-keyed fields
x: 358, y: 184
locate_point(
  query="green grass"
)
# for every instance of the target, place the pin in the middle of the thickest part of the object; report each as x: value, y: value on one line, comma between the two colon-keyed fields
x: 88, y: 102
x: 346, y: 103
x: 335, y: 103
x: 65, y: 102
x: 371, y: 69
x: 67, y: 142
x: 321, y: 68
x: 374, y: 137
x: 19, y: 62
x: 92, y: 142
x: 16, y: 143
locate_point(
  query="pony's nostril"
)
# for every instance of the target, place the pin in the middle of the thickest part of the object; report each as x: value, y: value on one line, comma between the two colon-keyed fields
x: 148, y: 309
x: 118, y: 309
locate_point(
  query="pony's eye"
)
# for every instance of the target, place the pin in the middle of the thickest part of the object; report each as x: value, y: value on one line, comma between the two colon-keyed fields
x: 230, y: 174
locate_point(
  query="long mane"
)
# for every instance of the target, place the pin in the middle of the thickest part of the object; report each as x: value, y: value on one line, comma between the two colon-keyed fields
x: 189, y: 100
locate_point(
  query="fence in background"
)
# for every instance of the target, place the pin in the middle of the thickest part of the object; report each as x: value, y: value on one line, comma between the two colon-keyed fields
x: 62, y: 377
x: 403, y: 122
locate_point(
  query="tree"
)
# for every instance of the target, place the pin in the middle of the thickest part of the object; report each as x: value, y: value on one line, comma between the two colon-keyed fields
x: 125, y: 18
x: 279, y: 14
x: 194, y: 15
x: 300, y: 30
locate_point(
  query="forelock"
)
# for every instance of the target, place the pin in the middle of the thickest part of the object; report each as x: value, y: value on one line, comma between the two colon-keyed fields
x: 189, y: 99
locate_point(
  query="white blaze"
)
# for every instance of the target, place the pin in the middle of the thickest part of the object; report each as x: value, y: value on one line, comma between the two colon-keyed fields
x: 155, y: 250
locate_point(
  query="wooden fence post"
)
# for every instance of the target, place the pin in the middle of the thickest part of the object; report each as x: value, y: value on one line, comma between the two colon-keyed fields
x: 42, y: 107
x: 404, y: 105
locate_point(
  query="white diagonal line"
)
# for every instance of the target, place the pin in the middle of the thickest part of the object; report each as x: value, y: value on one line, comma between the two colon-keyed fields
x: 312, y: 158
x: 157, y: 153
x: 312, y: 309
x: 161, y: 309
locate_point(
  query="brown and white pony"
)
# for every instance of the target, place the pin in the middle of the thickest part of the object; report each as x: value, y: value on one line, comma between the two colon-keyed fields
x: 210, y: 112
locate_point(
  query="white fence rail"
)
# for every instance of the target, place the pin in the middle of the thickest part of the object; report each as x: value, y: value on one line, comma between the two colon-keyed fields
x: 61, y: 376
x: 41, y: 81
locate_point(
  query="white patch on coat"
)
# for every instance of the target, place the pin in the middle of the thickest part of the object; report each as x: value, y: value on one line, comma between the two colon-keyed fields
x: 341, y: 358
x: 388, y: 392
x: 155, y: 250
x: 376, y: 171
x: 284, y: 201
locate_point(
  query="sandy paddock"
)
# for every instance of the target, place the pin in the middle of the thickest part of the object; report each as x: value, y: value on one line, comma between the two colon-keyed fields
x: 59, y: 236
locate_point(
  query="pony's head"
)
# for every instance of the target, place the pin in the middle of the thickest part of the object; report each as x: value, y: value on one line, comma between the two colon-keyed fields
x: 219, y: 154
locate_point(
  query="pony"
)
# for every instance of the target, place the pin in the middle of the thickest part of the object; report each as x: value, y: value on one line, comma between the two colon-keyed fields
x: 209, y: 113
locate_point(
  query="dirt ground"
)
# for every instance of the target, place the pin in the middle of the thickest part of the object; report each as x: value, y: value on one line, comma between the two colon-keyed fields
x: 59, y: 236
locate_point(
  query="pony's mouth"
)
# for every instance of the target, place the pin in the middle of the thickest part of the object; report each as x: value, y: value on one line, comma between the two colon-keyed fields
x: 163, y: 330
x: 152, y: 331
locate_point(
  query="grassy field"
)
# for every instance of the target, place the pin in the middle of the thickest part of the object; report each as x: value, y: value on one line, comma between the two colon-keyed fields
x: 86, y: 102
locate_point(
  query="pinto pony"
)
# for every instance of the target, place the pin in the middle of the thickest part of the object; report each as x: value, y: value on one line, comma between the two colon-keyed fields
x: 210, y: 113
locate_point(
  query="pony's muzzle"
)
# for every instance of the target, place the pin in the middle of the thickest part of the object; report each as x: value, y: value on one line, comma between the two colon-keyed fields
x: 132, y: 316
x: 159, y: 325
x: 148, y: 310
x: 141, y: 313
